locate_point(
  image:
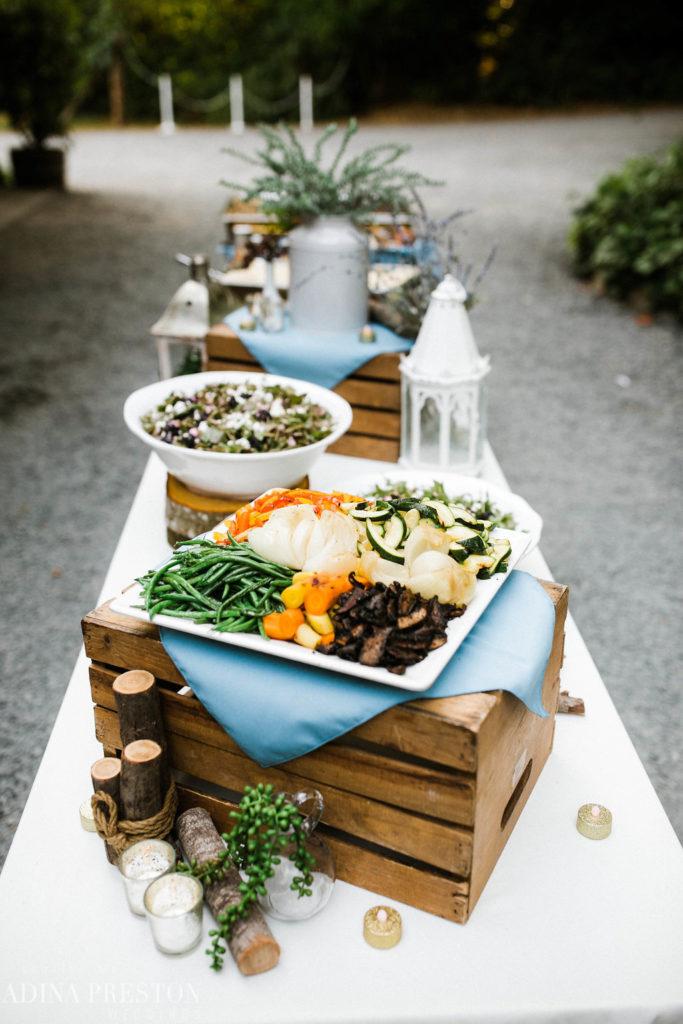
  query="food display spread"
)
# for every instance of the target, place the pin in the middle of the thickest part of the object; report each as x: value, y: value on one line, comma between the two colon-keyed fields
x: 373, y: 581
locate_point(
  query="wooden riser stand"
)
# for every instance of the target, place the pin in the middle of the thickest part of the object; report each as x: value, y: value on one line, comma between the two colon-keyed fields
x: 374, y: 392
x: 419, y: 801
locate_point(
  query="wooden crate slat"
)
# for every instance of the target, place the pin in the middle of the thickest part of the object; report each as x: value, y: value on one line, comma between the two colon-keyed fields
x: 368, y: 869
x: 242, y: 365
x: 369, y: 394
x: 358, y: 391
x: 223, y: 345
x: 127, y: 643
x: 451, y: 846
x: 445, y: 728
x: 417, y: 886
x: 513, y: 746
x: 362, y: 447
x: 409, y: 785
x: 376, y: 422
x: 441, y: 844
x: 384, y: 367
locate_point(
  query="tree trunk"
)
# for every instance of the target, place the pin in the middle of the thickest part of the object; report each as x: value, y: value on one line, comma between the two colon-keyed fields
x: 252, y: 944
x: 116, y: 88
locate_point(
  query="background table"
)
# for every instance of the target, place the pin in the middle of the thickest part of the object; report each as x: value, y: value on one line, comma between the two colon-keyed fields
x: 567, y: 929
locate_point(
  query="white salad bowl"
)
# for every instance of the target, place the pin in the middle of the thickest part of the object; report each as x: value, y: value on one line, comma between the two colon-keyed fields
x: 234, y: 474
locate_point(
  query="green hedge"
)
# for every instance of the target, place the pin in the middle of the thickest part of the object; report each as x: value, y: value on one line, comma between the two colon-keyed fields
x: 628, y: 237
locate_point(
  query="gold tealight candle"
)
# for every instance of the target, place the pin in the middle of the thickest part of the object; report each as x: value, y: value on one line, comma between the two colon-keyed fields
x: 382, y: 927
x: 594, y: 821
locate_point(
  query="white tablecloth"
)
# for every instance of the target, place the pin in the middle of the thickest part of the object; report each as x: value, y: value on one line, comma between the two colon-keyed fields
x: 567, y: 929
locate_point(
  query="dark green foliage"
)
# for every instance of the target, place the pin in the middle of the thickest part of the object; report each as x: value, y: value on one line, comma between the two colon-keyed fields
x: 543, y: 54
x: 39, y: 65
x: 628, y: 236
x: 295, y: 186
x: 388, y: 51
x: 361, y: 54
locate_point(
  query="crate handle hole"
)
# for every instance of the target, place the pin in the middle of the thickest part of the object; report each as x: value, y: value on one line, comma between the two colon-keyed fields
x: 516, y: 794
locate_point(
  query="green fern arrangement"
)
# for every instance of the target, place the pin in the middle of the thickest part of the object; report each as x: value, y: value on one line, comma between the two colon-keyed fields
x: 295, y: 187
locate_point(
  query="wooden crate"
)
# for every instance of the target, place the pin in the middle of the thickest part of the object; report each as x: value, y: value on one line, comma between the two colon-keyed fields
x: 374, y: 392
x: 419, y: 801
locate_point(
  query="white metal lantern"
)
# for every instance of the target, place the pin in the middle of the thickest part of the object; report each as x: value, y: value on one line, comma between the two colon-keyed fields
x: 185, y: 320
x: 443, y: 396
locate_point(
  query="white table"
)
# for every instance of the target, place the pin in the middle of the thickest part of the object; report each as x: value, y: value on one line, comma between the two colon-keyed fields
x: 566, y: 930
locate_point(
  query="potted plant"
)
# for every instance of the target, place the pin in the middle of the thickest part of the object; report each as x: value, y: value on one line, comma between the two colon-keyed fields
x: 328, y: 254
x: 39, y: 70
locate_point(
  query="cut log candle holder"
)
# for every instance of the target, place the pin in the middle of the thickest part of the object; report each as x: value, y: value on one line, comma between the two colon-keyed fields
x: 140, y: 717
x: 106, y: 778
x: 138, y: 706
x: 145, y: 805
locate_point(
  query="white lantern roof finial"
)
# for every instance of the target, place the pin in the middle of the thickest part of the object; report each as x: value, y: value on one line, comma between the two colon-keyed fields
x: 445, y: 347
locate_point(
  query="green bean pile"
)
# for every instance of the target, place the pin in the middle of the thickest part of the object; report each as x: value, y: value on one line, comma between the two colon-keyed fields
x: 229, y: 586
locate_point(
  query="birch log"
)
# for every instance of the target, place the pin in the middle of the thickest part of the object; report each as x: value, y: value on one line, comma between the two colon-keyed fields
x: 252, y: 944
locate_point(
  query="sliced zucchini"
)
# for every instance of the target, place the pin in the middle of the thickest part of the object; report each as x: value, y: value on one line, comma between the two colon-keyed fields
x: 462, y: 514
x: 377, y: 511
x: 465, y: 517
x: 458, y: 552
x: 475, y: 563
x: 443, y: 511
x: 375, y: 532
x: 406, y: 504
x: 475, y: 545
x: 500, y: 553
x: 460, y: 532
x: 412, y: 518
x: 395, y: 531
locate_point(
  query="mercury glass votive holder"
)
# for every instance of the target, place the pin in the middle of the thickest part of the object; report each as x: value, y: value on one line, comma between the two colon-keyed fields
x: 174, y: 905
x: 140, y: 864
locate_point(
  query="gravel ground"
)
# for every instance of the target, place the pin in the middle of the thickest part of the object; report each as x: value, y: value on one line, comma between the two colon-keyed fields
x: 582, y: 398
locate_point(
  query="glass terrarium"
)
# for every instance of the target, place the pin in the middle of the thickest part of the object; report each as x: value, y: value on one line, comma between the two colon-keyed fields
x: 280, y: 899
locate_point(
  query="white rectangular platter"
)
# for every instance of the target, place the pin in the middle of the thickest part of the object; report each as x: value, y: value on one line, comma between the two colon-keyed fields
x: 416, y: 677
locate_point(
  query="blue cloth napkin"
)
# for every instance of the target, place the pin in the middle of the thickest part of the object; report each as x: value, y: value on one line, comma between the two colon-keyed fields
x: 277, y: 710
x: 324, y: 358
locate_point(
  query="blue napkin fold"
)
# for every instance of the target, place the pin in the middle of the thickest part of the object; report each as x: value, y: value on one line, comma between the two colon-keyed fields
x: 277, y: 710
x: 324, y: 358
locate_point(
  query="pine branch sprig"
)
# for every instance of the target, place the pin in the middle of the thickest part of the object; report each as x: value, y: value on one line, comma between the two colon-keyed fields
x: 294, y: 186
